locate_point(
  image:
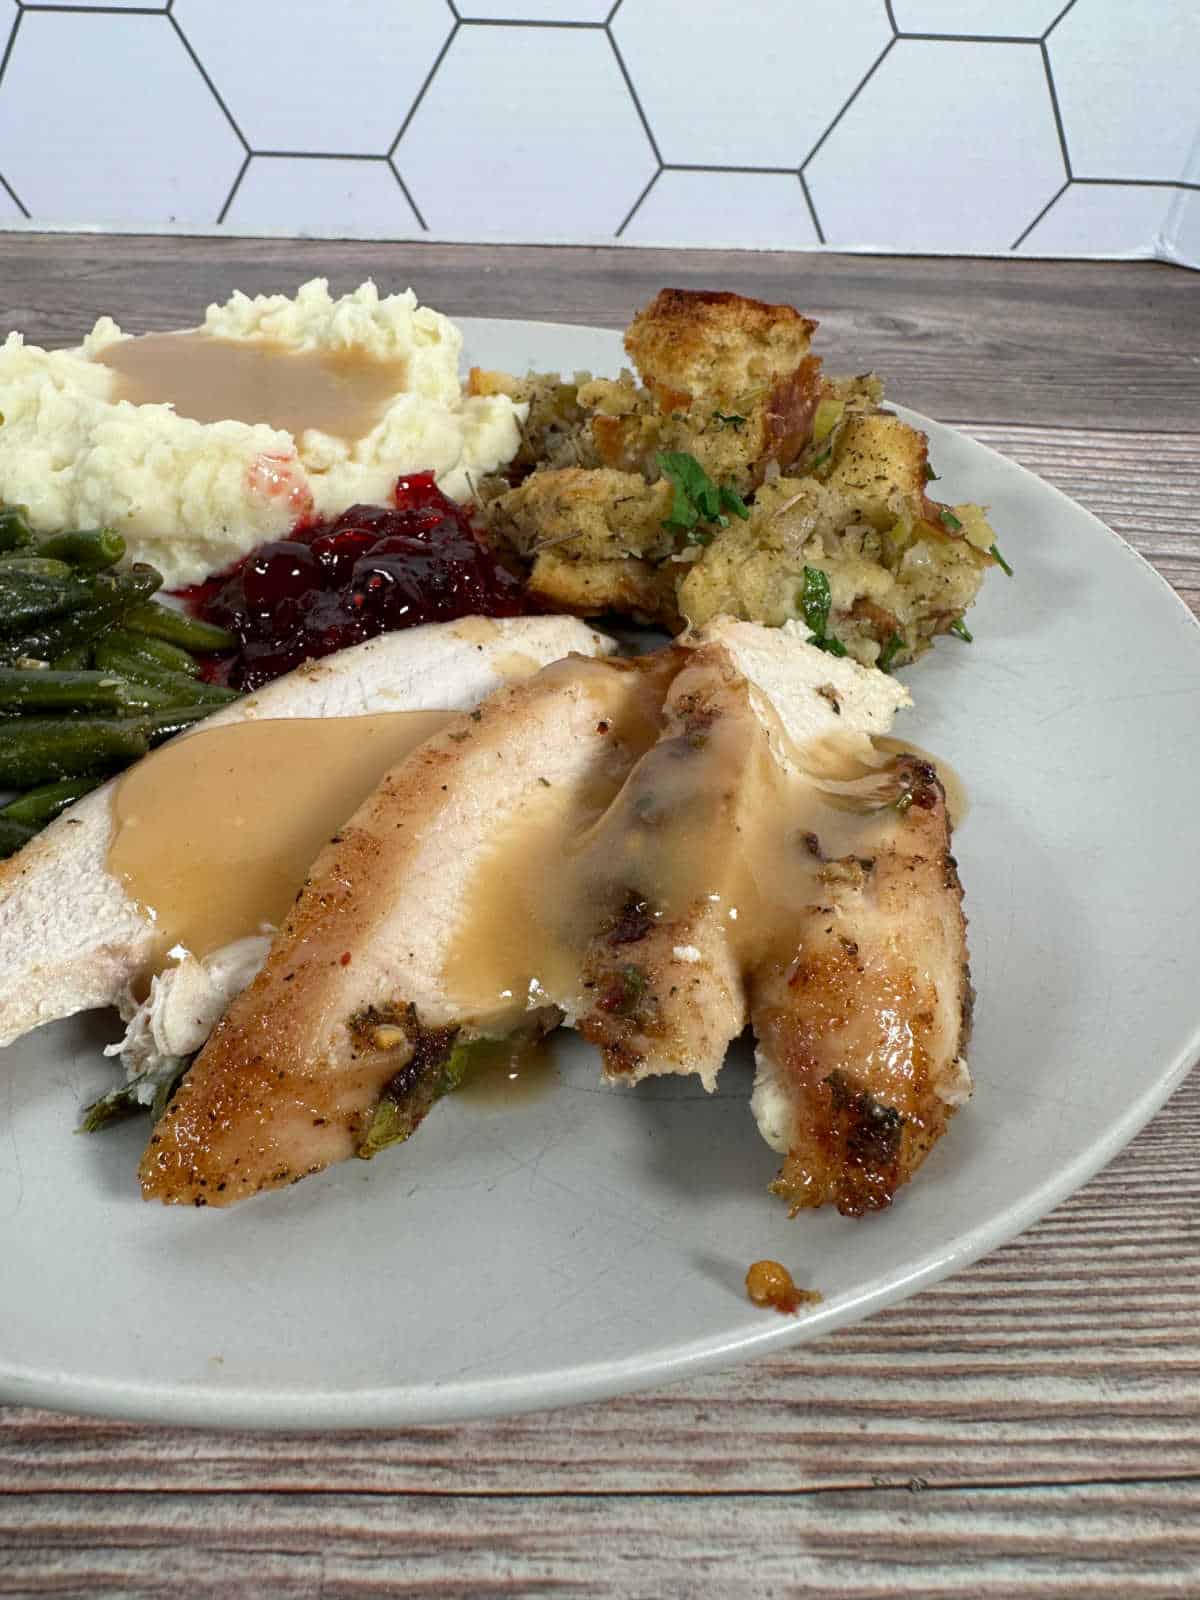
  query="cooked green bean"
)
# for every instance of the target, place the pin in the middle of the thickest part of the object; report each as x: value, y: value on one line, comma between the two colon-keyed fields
x: 28, y: 599
x: 94, y: 549
x: 37, y: 750
x: 155, y: 652
x: 57, y: 692
x: 177, y: 688
x: 188, y: 632
x: 14, y: 528
x: 163, y: 725
x: 13, y: 835
x: 113, y: 595
x: 38, y: 806
x: 75, y: 660
x: 34, y: 565
x: 139, y: 697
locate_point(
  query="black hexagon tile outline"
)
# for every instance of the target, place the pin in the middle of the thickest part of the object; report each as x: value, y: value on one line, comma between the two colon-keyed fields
x: 4, y: 60
x: 458, y: 22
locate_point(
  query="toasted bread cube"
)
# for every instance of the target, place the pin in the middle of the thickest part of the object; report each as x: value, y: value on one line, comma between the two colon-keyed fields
x: 688, y: 344
x: 588, y: 588
x: 591, y: 513
x: 879, y: 464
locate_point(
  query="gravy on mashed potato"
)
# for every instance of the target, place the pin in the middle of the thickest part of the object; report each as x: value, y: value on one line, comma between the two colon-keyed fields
x: 200, y: 445
x: 340, y: 392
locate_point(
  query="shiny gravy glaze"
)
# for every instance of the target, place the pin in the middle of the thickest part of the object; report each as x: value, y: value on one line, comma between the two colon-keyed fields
x: 715, y: 822
x: 510, y: 1071
x: 216, y: 832
x: 720, y: 818
x: 340, y: 392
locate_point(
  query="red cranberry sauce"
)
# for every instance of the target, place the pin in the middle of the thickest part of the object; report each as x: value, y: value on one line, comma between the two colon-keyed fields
x: 372, y: 570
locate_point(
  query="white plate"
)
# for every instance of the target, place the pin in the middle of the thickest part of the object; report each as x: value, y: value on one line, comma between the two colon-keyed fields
x: 595, y: 1241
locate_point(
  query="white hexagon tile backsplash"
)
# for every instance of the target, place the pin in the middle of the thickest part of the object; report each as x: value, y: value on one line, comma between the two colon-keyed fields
x: 1045, y: 127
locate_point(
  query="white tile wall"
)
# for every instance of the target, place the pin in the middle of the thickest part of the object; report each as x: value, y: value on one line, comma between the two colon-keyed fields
x: 969, y: 178
x: 691, y: 64
x: 1012, y: 19
x: 1125, y: 89
x: 714, y: 209
x: 276, y: 192
x: 293, y: 82
x: 1043, y: 126
x: 526, y: 133
x: 1115, y: 219
x: 104, y: 118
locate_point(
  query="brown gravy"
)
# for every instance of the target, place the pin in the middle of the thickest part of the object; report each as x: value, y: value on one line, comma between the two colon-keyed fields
x: 519, y: 938
x: 957, y: 803
x: 708, y: 829
x: 508, y: 1072
x: 340, y: 392
x: 216, y: 832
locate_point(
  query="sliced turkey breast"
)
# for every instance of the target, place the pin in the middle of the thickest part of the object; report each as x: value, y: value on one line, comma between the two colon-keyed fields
x: 390, y: 959
x: 862, y: 1018
x: 72, y: 936
x: 654, y: 851
x: 681, y: 847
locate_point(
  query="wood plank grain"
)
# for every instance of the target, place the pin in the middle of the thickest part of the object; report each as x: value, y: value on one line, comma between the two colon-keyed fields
x: 1048, y: 1543
x: 1074, y: 344
x: 1069, y: 1354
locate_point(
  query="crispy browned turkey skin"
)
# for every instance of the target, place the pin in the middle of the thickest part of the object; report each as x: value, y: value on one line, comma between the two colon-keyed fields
x: 862, y: 1032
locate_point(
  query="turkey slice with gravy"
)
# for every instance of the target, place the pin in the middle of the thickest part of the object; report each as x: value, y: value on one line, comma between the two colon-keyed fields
x: 652, y: 851
x: 700, y: 846
x: 348, y: 1034
x: 73, y: 936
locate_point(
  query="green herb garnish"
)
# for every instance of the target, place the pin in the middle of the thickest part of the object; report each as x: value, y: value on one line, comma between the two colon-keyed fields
x: 889, y: 653
x: 628, y: 991
x: 819, y: 461
x: 930, y: 475
x: 815, y: 601
x: 994, y: 552
x: 731, y: 500
x: 960, y: 631
x: 727, y: 419
x: 697, y: 498
x: 951, y: 521
x: 115, y: 1106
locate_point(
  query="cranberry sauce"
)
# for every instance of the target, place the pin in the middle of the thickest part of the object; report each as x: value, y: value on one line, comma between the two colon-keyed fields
x: 371, y: 570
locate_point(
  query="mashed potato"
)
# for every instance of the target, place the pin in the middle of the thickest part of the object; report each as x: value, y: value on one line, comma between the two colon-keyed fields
x: 190, y: 496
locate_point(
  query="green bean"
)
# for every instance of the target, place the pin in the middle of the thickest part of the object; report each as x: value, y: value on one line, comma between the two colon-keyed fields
x: 37, y: 750
x: 14, y: 528
x: 38, y: 806
x: 113, y: 595
x: 139, y: 697
x: 188, y: 632
x: 33, y: 565
x: 13, y: 835
x: 155, y: 652
x: 93, y: 549
x: 57, y: 692
x: 76, y: 660
x: 177, y: 688
x: 29, y: 598
x: 163, y: 725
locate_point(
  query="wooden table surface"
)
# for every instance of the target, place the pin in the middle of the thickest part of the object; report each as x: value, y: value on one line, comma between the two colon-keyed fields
x: 1028, y: 1427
